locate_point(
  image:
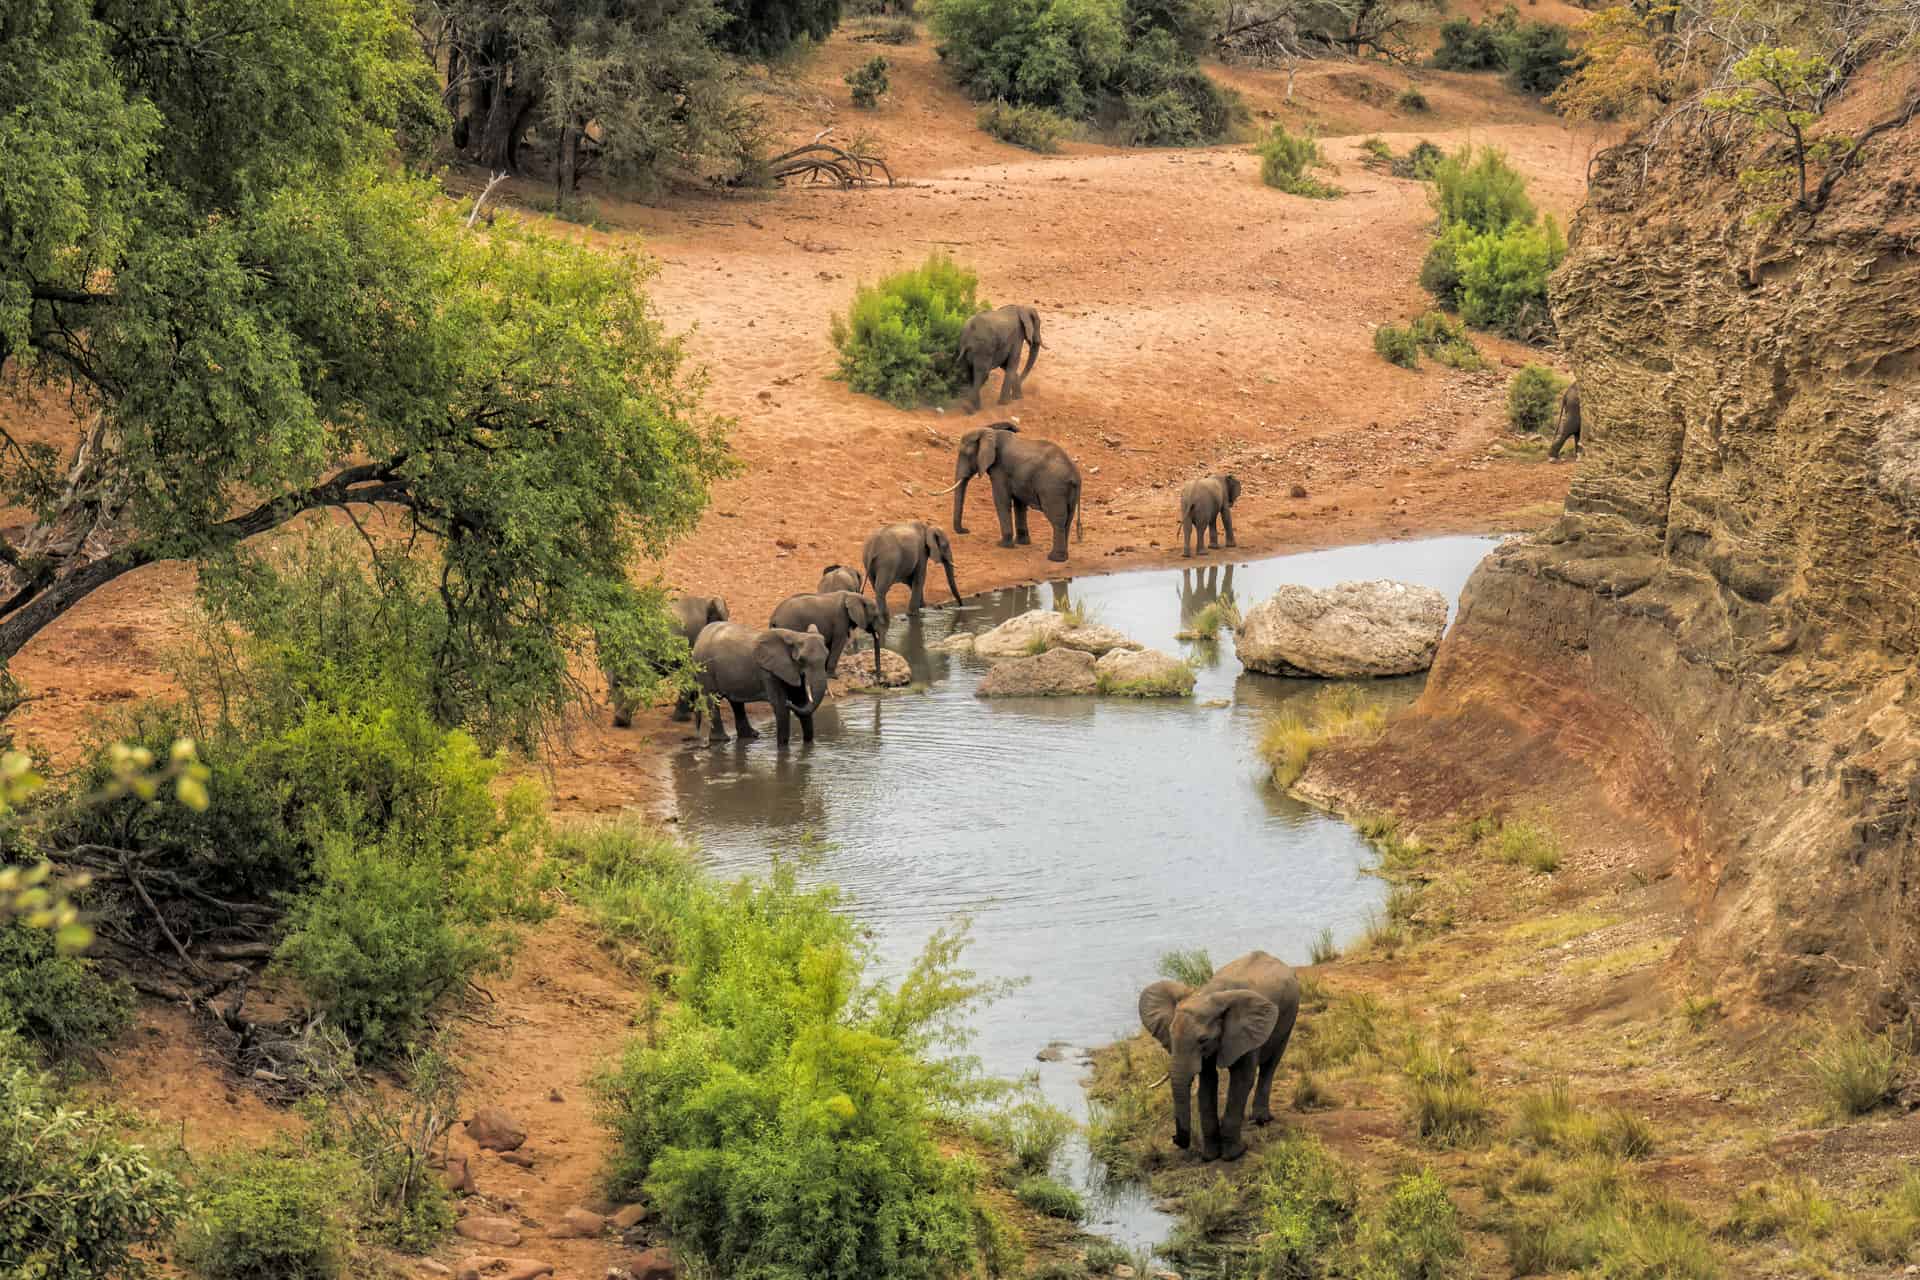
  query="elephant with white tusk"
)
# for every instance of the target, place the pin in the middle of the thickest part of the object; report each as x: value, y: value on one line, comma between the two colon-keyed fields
x: 836, y: 615
x: 992, y: 340
x: 1023, y: 473
x: 1239, y: 1020
x: 743, y: 664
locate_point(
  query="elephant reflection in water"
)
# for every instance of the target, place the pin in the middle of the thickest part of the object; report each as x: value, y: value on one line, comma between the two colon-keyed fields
x: 1201, y: 587
x: 743, y: 789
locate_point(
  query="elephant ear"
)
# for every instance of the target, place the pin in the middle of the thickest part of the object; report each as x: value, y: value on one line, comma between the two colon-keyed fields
x: 1233, y: 490
x: 1247, y: 1019
x: 1156, y: 1009
x: 717, y: 611
x: 773, y: 653
x: 988, y: 451
x: 934, y: 538
x: 1030, y: 325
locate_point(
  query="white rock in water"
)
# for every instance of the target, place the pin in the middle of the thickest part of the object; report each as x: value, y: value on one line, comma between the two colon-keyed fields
x: 1015, y: 637
x: 961, y: 643
x: 1057, y: 673
x: 1092, y: 638
x: 1376, y: 628
x: 1144, y: 673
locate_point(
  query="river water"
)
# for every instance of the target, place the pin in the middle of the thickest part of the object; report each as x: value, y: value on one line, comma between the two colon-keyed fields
x: 1084, y: 837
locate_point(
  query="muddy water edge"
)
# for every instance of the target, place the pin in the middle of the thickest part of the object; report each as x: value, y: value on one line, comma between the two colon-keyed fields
x: 1083, y: 837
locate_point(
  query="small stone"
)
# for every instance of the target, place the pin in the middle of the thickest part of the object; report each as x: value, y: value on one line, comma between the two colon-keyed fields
x: 1121, y: 1271
x: 961, y: 643
x: 1297, y: 491
x: 521, y: 1158
x: 629, y: 1217
x: 1057, y: 673
x: 1056, y: 1051
x: 655, y: 1264
x: 528, y: 1270
x: 494, y: 1130
x: 477, y: 1265
x: 1092, y: 638
x: 429, y: 1267
x: 578, y: 1223
x: 555, y: 1096
x: 500, y: 1231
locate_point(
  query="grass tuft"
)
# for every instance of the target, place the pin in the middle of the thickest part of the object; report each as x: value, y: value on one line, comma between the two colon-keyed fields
x: 1050, y: 1198
x: 1446, y: 1107
x: 1524, y: 843
x: 1034, y: 128
x: 1337, y: 713
x: 1195, y: 967
x: 1222, y: 611
x: 1856, y: 1070
x: 1285, y: 159
x: 1323, y: 951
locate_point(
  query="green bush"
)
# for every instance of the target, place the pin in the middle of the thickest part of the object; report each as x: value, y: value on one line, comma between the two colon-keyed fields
x: 395, y: 1142
x: 628, y: 879
x: 1050, y: 1198
x: 1422, y: 162
x: 1536, y: 56
x: 1415, y: 1235
x: 1479, y: 189
x: 1307, y: 1203
x: 868, y: 82
x: 60, y: 1004
x: 1285, y: 160
x: 782, y: 1116
x: 77, y: 1201
x: 1466, y: 45
x: 899, y: 339
x: 1398, y: 346
x: 1440, y: 269
x: 1030, y: 1131
x: 1432, y: 333
x: 1412, y: 99
x: 269, y: 1215
x: 1533, y: 398
x: 1035, y: 128
x: 1503, y: 279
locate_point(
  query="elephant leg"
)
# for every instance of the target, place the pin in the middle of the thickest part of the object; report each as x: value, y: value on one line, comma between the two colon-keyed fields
x: 979, y: 377
x: 880, y: 588
x: 806, y: 727
x: 782, y: 713
x: 1226, y: 518
x: 1003, y: 510
x: 1014, y: 379
x: 1059, y: 524
x: 1020, y: 523
x: 918, y: 600
x: 1007, y: 377
x: 682, y: 710
x: 1263, y: 1091
x: 1209, y: 1101
x: 1186, y: 538
x: 1239, y: 1085
x: 1213, y: 530
x: 834, y: 651
x: 742, y: 727
x: 707, y: 708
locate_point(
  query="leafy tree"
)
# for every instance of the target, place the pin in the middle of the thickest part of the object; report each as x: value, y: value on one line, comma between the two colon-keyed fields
x: 762, y: 28
x: 1780, y: 90
x: 203, y: 245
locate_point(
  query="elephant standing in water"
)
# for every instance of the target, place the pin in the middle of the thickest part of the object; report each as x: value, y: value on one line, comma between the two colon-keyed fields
x: 743, y: 664
x: 838, y: 577
x: 1239, y: 1020
x: 992, y: 340
x: 1024, y: 473
x: 901, y: 553
x: 691, y: 615
x: 1569, y: 423
x: 1204, y: 506
x: 836, y: 615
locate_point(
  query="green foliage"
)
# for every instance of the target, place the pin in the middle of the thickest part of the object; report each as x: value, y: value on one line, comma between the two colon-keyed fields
x: 1415, y: 1235
x: 1548, y: 1120
x: 1536, y: 56
x: 1116, y: 1127
x: 59, y: 1003
x: 1285, y: 159
x: 899, y: 339
x: 1194, y: 968
x: 1029, y: 1130
x: 1525, y: 843
x: 1223, y: 611
x: 1888, y: 1231
x: 1323, y: 950
x: 1310, y: 1095
x: 1446, y: 1106
x: 868, y: 82
x: 1396, y: 345
x: 1290, y: 737
x: 1856, y: 1070
x: 1796, y: 1210
x: 1480, y: 190
x: 394, y: 1140
x: 1306, y: 1203
x: 1050, y: 1198
x: 781, y: 1119
x: 1598, y: 1222
x: 628, y: 879
x: 768, y: 28
x: 1503, y: 279
x: 1422, y: 162
x: 1175, y: 681
x: 1781, y: 90
x: 268, y: 1215
x: 1533, y: 398
x: 77, y: 1201
x: 1035, y: 128
x: 1432, y: 333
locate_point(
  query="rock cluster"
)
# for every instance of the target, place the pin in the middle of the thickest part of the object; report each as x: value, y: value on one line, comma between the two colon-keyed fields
x: 1354, y: 629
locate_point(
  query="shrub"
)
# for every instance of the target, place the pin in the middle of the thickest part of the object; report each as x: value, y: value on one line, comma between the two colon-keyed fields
x: 1445, y: 1104
x: 268, y: 1215
x: 1480, y: 190
x: 1323, y: 950
x: 1306, y: 1203
x: 1377, y: 149
x: 899, y: 339
x: 76, y: 1201
x: 1398, y: 346
x: 1411, y: 99
x: 1194, y: 968
x: 1533, y: 398
x: 1030, y: 1131
x: 1466, y: 45
x: 1432, y: 333
x: 1050, y: 1198
x: 1538, y: 58
x: 1035, y: 128
x: 61, y: 1004
x: 395, y: 1141
x: 629, y: 879
x: 868, y: 82
x: 1527, y: 844
x: 1421, y: 162
x: 1285, y: 160
x: 1223, y: 611
x: 1888, y: 1231
x: 1440, y: 269
x: 781, y: 1119
x: 1415, y: 1235
x: 1503, y: 279
x: 1857, y: 1071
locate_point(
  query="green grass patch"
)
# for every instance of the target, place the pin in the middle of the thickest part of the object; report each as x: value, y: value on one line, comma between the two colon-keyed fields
x: 1029, y: 1131
x: 1599, y: 1222
x: 1222, y: 611
x: 1414, y: 1235
x: 1855, y: 1070
x: 1445, y: 1104
x: 1034, y: 128
x: 1323, y: 950
x: 1431, y: 334
x: 1050, y: 1198
x: 1549, y: 1120
x: 1175, y: 681
x: 1287, y: 161
x: 1337, y: 713
x: 1193, y: 967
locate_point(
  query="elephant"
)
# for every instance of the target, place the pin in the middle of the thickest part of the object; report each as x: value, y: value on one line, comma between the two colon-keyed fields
x: 992, y: 340
x: 1240, y: 1020
x: 1569, y: 423
x: 690, y: 615
x: 1024, y: 473
x: 838, y: 577
x: 744, y: 664
x: 835, y: 615
x: 1205, y: 505
x: 900, y: 553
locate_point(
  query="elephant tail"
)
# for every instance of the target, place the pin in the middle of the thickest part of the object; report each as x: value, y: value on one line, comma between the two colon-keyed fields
x: 1031, y: 323
x: 1079, y: 515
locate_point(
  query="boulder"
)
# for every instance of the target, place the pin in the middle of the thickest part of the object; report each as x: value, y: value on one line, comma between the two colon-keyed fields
x: 476, y: 1266
x: 856, y: 673
x: 1092, y: 638
x: 494, y: 1130
x: 1355, y: 629
x: 959, y: 643
x: 1143, y: 673
x: 522, y: 1158
x: 629, y: 1217
x: 458, y: 1175
x: 1057, y: 673
x: 655, y: 1264
x: 501, y: 1231
x: 577, y: 1223
x: 1015, y: 637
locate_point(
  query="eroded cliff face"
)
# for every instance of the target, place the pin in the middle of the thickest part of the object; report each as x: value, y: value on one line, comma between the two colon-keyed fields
x: 1724, y: 626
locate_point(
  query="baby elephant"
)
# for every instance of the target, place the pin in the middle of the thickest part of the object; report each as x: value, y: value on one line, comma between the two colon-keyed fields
x: 1205, y: 505
x: 1239, y: 1020
x: 835, y: 615
x: 838, y: 577
x: 1569, y: 423
x: 738, y: 665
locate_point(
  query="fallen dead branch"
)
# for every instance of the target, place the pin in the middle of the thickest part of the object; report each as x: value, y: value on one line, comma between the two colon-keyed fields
x: 823, y: 162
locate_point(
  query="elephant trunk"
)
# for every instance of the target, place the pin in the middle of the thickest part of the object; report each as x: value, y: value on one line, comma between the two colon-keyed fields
x: 876, y: 657
x: 960, y: 500
x: 1180, y: 1080
x: 815, y: 685
x: 952, y: 586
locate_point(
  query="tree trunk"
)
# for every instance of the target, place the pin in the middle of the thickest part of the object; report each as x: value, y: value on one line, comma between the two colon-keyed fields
x: 497, y: 142
x: 566, y: 169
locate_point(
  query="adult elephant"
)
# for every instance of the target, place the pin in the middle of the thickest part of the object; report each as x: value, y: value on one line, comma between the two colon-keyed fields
x: 1205, y: 505
x: 838, y: 577
x: 1569, y: 423
x: 745, y: 664
x: 1239, y: 1020
x: 691, y: 614
x: 835, y: 615
x: 900, y: 553
x: 1024, y: 473
x: 992, y: 340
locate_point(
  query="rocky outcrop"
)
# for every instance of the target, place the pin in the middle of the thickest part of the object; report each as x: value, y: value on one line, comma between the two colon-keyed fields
x: 1143, y: 673
x: 1723, y: 629
x: 1094, y: 638
x: 856, y: 673
x: 494, y: 1130
x: 1057, y: 673
x: 1353, y: 629
x: 1018, y: 635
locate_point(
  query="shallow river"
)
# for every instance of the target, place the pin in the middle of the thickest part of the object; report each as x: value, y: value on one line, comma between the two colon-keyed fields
x: 1084, y: 837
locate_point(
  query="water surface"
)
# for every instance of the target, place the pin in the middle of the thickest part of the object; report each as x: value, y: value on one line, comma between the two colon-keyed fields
x: 1084, y: 837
